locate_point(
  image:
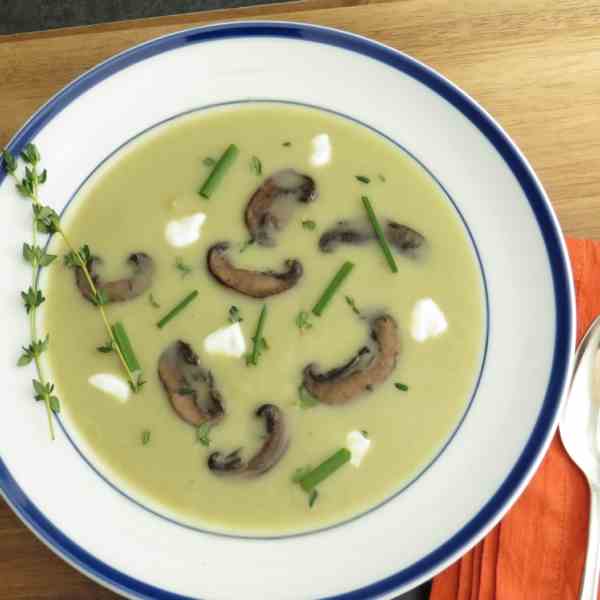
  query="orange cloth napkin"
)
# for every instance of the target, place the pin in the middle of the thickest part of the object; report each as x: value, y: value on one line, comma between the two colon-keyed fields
x: 538, y: 550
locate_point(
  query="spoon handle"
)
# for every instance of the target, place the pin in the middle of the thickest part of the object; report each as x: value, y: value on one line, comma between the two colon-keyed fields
x: 591, y: 573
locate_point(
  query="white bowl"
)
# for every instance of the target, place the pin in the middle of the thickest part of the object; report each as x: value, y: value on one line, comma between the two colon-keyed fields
x: 117, y: 541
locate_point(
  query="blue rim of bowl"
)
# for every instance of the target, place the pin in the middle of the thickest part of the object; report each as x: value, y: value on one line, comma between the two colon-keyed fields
x: 486, y: 302
x: 557, y: 258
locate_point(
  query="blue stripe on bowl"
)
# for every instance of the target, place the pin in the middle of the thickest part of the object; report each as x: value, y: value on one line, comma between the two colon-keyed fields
x: 557, y: 258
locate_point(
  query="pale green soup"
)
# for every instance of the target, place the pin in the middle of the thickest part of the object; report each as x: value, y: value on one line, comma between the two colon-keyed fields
x: 126, y: 207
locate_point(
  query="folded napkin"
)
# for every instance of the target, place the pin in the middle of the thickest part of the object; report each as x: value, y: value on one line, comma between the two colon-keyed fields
x: 538, y: 550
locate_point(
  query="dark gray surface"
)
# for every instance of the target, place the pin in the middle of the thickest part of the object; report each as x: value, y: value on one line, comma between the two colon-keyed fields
x: 35, y: 15
x: 18, y: 16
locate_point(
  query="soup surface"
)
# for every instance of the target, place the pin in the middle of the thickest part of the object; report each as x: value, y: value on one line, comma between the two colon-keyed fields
x: 142, y: 444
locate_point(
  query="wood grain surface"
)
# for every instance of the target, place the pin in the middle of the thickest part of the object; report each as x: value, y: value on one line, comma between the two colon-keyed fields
x: 533, y: 64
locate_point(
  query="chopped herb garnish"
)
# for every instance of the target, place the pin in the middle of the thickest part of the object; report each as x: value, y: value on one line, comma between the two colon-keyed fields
x: 381, y: 178
x: 184, y: 269
x: 303, y: 321
x: 126, y: 350
x: 327, y: 468
x: 256, y: 166
x: 208, y: 161
x: 380, y: 236
x: 259, y: 342
x: 402, y: 387
x: 235, y: 315
x: 153, y: 301
x: 177, y: 309
x: 309, y: 224
x: 312, y: 498
x: 146, y: 437
x: 350, y: 302
x: 218, y: 172
x: 363, y: 179
x: 306, y: 399
x: 106, y: 348
x: 332, y: 288
x: 245, y: 245
x: 300, y: 473
x: 202, y: 434
x: 286, y: 144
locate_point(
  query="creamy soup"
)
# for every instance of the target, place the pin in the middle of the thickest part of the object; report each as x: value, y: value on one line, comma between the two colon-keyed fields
x: 379, y: 381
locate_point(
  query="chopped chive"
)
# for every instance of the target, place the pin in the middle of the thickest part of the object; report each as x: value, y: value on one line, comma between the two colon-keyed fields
x: 146, y: 437
x: 208, y: 161
x: 286, y: 144
x: 350, y: 302
x: 325, y: 469
x: 332, y: 288
x: 402, y: 387
x: 256, y: 165
x: 380, y: 236
x: 363, y: 179
x: 218, y: 172
x: 309, y: 224
x: 202, y: 434
x: 184, y: 269
x: 153, y: 301
x: 105, y: 348
x: 312, y: 498
x: 303, y: 321
x: 125, y: 347
x: 177, y: 309
x: 259, y: 342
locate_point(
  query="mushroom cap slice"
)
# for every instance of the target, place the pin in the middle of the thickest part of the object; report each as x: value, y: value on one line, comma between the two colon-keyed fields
x: 404, y: 239
x: 119, y: 290
x: 368, y: 368
x: 191, y: 388
x: 269, y: 454
x: 270, y: 207
x: 257, y: 284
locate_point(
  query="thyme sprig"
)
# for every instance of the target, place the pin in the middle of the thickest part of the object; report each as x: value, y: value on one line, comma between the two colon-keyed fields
x: 46, y: 221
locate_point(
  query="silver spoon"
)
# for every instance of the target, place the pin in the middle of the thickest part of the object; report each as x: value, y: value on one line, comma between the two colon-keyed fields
x: 579, y: 430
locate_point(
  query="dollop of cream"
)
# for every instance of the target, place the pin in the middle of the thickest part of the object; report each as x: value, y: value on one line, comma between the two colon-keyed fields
x: 427, y: 321
x: 359, y: 445
x: 321, y: 154
x: 186, y: 231
x: 111, y: 384
x: 227, y: 340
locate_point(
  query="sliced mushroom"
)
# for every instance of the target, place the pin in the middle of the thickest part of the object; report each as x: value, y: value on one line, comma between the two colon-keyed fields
x: 119, y: 290
x: 191, y: 388
x: 407, y: 241
x: 270, y: 207
x: 273, y: 448
x: 257, y: 284
x: 371, y: 366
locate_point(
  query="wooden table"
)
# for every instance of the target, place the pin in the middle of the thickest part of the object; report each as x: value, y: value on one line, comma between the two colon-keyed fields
x: 533, y: 64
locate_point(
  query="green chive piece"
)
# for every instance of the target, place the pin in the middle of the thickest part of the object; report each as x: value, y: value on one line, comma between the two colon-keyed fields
x: 218, y: 172
x: 363, y: 179
x: 256, y: 165
x: 202, y: 434
x: 380, y: 236
x: 325, y: 469
x: 126, y: 349
x: 258, y: 340
x: 402, y: 387
x: 177, y: 309
x: 312, y: 498
x: 286, y: 144
x: 332, y: 288
x: 146, y: 437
